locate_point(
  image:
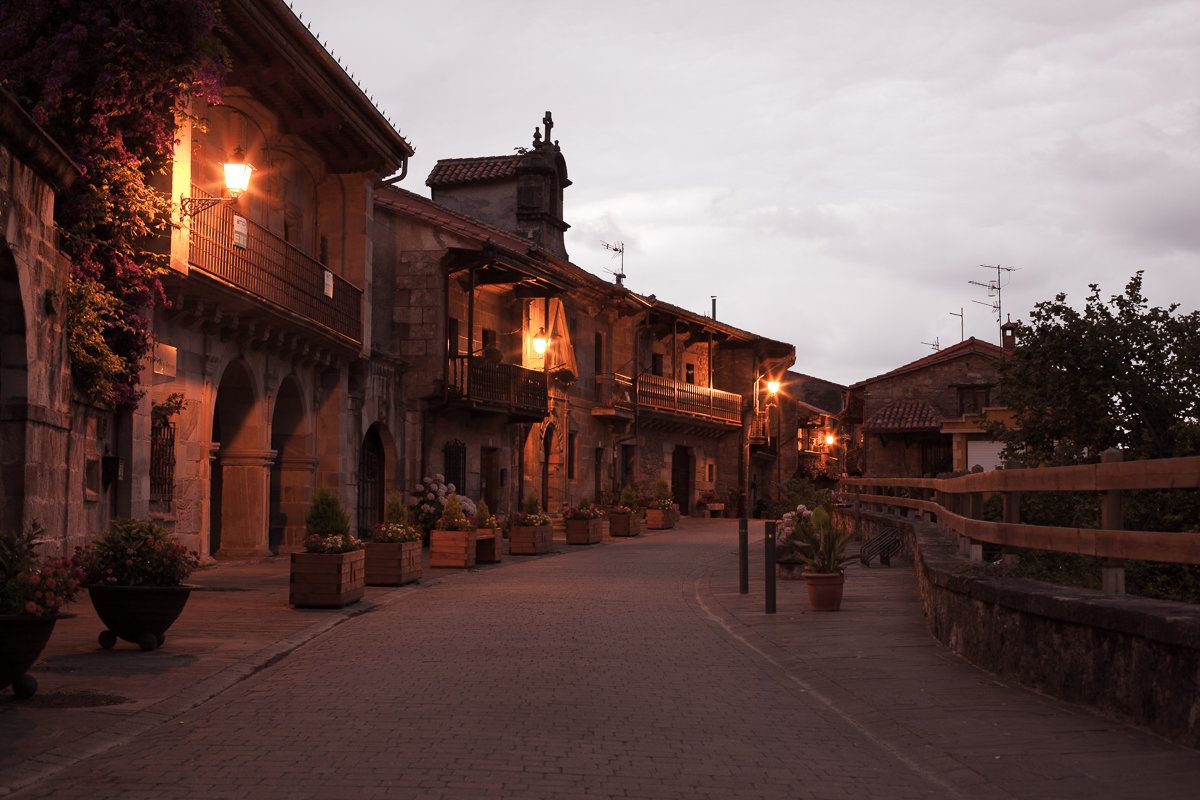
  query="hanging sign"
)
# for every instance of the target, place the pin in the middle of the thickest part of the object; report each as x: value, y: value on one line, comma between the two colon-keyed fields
x: 240, y: 232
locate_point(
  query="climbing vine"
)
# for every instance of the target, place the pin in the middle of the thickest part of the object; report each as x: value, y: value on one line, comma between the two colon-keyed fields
x: 107, y: 79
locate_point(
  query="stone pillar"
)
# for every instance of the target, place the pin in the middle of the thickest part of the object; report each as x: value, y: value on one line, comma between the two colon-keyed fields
x: 245, y: 503
x: 296, y: 485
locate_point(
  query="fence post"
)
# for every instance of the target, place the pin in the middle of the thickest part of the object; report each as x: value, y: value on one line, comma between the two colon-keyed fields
x: 743, y: 556
x: 769, y: 550
x: 1012, y: 515
x: 975, y: 511
x: 1112, y: 517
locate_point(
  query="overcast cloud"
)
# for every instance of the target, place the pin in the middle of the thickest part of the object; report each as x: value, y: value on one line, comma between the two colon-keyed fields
x: 834, y: 172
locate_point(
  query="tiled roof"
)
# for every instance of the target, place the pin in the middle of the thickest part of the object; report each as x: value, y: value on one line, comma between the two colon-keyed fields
x: 452, y: 171
x: 904, y: 416
x: 966, y: 347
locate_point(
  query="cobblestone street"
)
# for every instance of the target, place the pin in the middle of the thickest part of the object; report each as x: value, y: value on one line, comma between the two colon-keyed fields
x: 630, y: 669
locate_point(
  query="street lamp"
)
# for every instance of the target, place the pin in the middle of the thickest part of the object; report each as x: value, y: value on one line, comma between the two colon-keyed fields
x: 237, y: 181
x: 773, y: 389
x: 540, y: 342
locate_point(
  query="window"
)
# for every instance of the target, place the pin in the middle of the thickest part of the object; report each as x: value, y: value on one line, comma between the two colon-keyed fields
x: 454, y: 465
x: 572, y: 445
x: 973, y: 399
x: 489, y: 338
x: 598, y: 354
x: 162, y: 461
x: 711, y: 472
x: 656, y: 364
x: 689, y: 372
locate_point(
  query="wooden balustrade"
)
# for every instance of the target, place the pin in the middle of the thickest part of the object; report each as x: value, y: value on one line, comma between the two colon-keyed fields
x: 502, y: 386
x: 665, y: 394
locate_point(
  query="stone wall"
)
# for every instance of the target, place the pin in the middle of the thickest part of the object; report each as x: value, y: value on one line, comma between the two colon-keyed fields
x: 1130, y: 658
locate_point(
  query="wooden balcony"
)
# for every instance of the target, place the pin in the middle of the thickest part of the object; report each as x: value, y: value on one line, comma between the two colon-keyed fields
x: 273, y: 271
x: 665, y: 403
x: 500, y: 388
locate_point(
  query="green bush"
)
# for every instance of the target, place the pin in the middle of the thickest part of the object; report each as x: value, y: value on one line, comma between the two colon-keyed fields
x: 326, y: 517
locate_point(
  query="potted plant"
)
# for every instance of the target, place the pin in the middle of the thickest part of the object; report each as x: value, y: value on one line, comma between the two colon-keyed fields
x: 824, y: 574
x: 32, y: 590
x: 622, y: 518
x: 393, y: 554
x: 790, y: 549
x: 134, y: 575
x: 584, y: 523
x: 429, y: 501
x: 529, y: 531
x: 488, y: 538
x: 452, y: 540
x: 660, y: 514
x: 331, y: 572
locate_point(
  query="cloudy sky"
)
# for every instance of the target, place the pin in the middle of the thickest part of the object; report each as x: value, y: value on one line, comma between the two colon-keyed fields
x: 835, y: 172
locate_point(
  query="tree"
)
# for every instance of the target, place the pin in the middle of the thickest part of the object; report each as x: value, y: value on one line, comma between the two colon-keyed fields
x: 108, y: 79
x: 1116, y: 374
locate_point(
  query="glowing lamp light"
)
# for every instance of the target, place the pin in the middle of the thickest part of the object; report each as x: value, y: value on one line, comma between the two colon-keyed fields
x: 773, y: 387
x: 829, y: 440
x: 237, y: 173
x: 540, y: 342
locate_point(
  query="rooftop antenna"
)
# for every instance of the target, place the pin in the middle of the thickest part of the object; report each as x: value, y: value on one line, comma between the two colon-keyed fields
x: 994, y: 290
x: 935, y: 344
x: 618, y: 249
x: 962, y: 331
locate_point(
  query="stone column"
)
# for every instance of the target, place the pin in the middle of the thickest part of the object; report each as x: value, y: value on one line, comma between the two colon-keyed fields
x: 245, y: 503
x: 297, y: 475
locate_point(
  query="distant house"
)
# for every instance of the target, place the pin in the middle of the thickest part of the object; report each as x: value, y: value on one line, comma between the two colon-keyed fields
x: 929, y: 416
x: 818, y: 404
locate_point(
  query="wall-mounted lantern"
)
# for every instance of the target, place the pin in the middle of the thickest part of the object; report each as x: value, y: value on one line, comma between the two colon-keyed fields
x: 540, y: 342
x: 237, y: 181
x: 773, y: 387
x: 829, y: 440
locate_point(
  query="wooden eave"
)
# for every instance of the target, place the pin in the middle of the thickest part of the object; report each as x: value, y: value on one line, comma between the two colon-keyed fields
x: 498, y: 266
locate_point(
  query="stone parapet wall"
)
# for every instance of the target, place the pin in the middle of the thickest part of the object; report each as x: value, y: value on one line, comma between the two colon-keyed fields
x: 1134, y: 659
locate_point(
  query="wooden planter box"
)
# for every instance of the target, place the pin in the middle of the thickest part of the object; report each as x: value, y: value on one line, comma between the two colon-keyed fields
x: 624, y: 524
x: 452, y: 548
x: 487, y: 545
x: 658, y: 519
x: 327, y: 580
x: 392, y: 563
x: 584, y: 531
x: 524, y: 541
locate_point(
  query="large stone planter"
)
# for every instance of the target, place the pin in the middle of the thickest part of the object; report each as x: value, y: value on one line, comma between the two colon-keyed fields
x: 327, y: 580
x: 22, y: 639
x: 624, y: 524
x: 529, y: 541
x: 488, y: 544
x: 584, y: 531
x: 392, y: 563
x: 452, y: 548
x: 658, y: 519
x: 825, y: 590
x: 138, y: 614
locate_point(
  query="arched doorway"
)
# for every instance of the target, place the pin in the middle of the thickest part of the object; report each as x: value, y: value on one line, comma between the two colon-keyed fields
x: 371, y: 467
x: 292, y: 470
x: 13, y: 392
x: 547, y: 452
x: 681, y: 478
x: 241, y: 470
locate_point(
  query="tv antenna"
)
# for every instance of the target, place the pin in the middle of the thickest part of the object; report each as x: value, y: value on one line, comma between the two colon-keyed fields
x: 618, y: 249
x: 962, y: 331
x: 995, y: 289
x: 935, y: 344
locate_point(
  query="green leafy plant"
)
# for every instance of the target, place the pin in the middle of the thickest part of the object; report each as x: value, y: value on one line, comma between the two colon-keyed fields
x: 662, y: 500
x: 452, y: 517
x: 530, y: 516
x: 827, y: 545
x: 328, y: 525
x: 628, y: 501
x: 484, y: 518
x: 31, y: 584
x: 395, y: 526
x: 136, y: 552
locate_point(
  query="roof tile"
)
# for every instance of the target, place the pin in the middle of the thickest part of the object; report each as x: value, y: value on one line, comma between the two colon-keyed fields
x: 904, y: 416
x: 453, y: 171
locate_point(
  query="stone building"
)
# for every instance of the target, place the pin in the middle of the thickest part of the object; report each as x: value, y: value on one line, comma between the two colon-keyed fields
x: 818, y: 431
x: 264, y: 382
x: 929, y: 416
x: 51, y: 449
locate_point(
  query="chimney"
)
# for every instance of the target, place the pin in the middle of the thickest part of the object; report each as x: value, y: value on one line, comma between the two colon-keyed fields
x: 1008, y: 336
x: 714, y: 302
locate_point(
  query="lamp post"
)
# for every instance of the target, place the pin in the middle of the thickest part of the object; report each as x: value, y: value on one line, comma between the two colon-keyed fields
x: 773, y: 389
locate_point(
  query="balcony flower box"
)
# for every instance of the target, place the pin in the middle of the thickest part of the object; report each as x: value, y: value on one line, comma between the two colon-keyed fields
x: 452, y: 548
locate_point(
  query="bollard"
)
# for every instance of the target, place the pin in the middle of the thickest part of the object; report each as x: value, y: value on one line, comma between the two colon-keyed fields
x: 743, y: 556
x: 769, y: 541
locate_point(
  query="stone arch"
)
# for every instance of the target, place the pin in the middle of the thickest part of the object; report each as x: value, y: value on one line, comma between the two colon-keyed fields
x: 372, y: 481
x: 14, y: 392
x: 293, y: 470
x: 239, y: 494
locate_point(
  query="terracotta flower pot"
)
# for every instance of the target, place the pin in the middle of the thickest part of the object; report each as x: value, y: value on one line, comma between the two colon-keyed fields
x: 138, y: 614
x: 825, y: 590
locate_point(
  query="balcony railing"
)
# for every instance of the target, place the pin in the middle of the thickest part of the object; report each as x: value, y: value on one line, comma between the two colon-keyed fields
x: 273, y: 270
x: 665, y: 394
x: 504, y: 386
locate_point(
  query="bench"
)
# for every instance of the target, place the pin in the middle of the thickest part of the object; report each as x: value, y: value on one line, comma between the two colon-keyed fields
x: 487, y: 545
x: 715, y: 509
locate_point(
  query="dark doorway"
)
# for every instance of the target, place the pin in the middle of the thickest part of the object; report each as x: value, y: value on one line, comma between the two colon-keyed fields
x: 489, y: 477
x: 681, y: 478
x: 627, y: 453
x: 547, y: 451
x: 598, y: 476
x: 370, y: 482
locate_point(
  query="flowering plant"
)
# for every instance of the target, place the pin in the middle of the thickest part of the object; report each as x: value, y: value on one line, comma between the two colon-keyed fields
x: 336, y: 543
x: 395, y: 526
x: 585, y: 510
x: 328, y: 525
x: 429, y: 500
x: 662, y: 500
x: 530, y: 516
x: 136, y: 552
x: 629, y: 501
x: 33, y: 585
x: 808, y: 538
x: 484, y: 518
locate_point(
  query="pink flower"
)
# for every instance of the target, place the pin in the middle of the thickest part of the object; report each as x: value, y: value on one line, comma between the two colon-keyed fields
x: 31, y: 608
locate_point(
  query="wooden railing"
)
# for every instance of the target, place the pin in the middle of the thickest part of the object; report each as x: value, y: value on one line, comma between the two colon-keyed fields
x: 272, y: 270
x: 614, y: 390
x: 957, y: 504
x: 665, y: 394
x: 504, y: 386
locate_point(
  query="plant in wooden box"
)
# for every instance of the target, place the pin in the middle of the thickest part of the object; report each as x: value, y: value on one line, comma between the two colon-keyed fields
x: 824, y: 574
x: 452, y: 540
x: 32, y: 589
x: 584, y: 523
x: 622, y: 518
x: 790, y: 549
x: 488, y: 539
x: 429, y: 500
x: 529, y: 530
x: 134, y: 575
x: 660, y: 514
x: 331, y: 572
x: 393, y: 554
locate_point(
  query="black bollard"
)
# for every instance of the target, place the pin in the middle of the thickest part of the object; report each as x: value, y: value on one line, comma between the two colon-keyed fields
x: 769, y: 541
x: 743, y: 556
